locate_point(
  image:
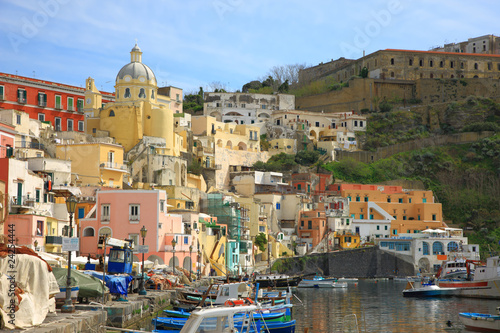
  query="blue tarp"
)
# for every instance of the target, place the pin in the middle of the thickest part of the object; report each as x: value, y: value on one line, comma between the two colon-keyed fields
x: 117, y: 284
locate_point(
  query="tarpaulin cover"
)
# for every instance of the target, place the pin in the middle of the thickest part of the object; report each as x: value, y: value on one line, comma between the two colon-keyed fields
x: 35, y: 283
x: 89, y: 286
x: 117, y: 284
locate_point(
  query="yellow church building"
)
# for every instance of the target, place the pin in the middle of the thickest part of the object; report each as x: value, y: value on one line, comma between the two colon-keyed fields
x: 137, y: 112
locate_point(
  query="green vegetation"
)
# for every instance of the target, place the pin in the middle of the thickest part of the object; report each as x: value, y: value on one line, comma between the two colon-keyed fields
x: 286, y: 162
x: 261, y: 241
x: 464, y: 178
x: 193, y: 102
x: 195, y: 168
x: 318, y: 87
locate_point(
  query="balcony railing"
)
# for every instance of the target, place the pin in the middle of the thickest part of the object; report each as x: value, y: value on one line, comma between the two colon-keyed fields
x: 112, y: 165
x: 56, y: 240
x: 23, y: 201
x: 27, y: 144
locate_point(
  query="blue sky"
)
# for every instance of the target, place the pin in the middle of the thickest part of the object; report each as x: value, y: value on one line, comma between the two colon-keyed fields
x: 192, y: 43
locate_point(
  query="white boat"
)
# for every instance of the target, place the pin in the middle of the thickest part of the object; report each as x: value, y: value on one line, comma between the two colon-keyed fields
x: 320, y: 282
x: 480, y: 321
x: 415, y: 289
x: 484, y: 283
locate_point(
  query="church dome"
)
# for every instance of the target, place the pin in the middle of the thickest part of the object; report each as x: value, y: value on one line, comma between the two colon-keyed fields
x: 136, y: 69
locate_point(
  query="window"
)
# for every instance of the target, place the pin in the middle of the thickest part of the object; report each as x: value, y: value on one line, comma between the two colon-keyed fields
x: 71, y: 107
x: 278, y: 205
x: 111, y: 113
x: 42, y: 99
x: 21, y: 96
x: 79, y: 105
x: 81, y: 213
x: 177, y: 97
x: 41, y: 116
x: 489, y: 66
x: 162, y: 206
x: 309, y: 224
x: 366, y: 199
x: 410, y: 62
x: 437, y: 248
x: 386, y: 227
x: 420, y: 62
x: 476, y: 66
x: 39, y: 228
x: 70, y: 125
x: 58, y: 102
x: 391, y: 246
x: 80, y: 126
x: 358, y: 199
x: 88, y: 232
x: 37, y: 195
x: 105, y: 210
x: 142, y: 93
x: 452, y: 247
x: 388, y: 199
x: 244, y: 106
x: 418, y: 217
x: 127, y: 93
x: 134, y: 238
x: 409, y: 200
x: 378, y: 227
x: 134, y: 211
x: 404, y: 217
x: 371, y: 216
x: 400, y: 200
x: 392, y: 61
x: 361, y: 216
x: 434, y: 217
x: 424, y: 200
x: 452, y: 64
x: 316, y: 124
x: 394, y: 232
x: 264, y: 106
x: 1, y: 93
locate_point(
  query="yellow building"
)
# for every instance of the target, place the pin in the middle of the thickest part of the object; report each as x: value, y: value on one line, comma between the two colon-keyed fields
x: 94, y: 163
x: 137, y: 112
x: 346, y: 240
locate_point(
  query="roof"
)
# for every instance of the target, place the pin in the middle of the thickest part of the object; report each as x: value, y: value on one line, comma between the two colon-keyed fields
x: 446, y: 53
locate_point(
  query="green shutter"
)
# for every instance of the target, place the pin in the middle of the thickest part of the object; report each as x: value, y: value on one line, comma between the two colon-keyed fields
x: 58, y: 102
x: 1, y: 92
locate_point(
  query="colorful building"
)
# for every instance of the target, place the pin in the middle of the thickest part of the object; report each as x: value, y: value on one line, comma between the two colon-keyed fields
x: 94, y: 163
x: 59, y: 104
x: 121, y: 214
x: 7, y: 139
x: 313, y: 227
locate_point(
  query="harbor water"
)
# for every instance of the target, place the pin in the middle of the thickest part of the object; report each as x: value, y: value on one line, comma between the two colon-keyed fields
x: 379, y: 306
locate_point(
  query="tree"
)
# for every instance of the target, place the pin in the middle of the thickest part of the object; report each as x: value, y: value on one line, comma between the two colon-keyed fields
x: 284, y: 87
x: 364, y: 72
x: 286, y: 72
x: 217, y: 86
x: 261, y: 241
x: 251, y: 85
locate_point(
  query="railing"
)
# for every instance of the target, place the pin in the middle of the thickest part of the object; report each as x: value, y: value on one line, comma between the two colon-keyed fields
x: 27, y: 144
x: 21, y: 100
x: 53, y: 240
x: 23, y: 201
x: 112, y: 165
x: 42, y: 104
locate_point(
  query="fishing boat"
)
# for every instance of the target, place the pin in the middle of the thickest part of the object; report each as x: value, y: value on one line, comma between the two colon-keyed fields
x: 277, y: 280
x: 415, y: 289
x: 321, y: 282
x: 226, y: 319
x: 482, y: 285
x: 480, y: 321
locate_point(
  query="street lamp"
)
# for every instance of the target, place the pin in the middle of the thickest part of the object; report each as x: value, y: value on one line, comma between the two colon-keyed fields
x: 144, y: 232
x: 68, y: 305
x: 173, y: 258
x: 199, y: 263
x: 190, y: 261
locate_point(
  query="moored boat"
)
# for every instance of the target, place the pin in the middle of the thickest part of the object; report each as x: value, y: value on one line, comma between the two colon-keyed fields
x: 321, y: 282
x: 413, y: 289
x: 277, y: 280
x: 484, y: 283
x: 480, y: 321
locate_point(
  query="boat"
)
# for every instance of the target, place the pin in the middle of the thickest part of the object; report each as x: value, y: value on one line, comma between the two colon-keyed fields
x: 321, y: 282
x: 482, y: 285
x: 481, y: 322
x: 456, y: 269
x: 226, y: 319
x: 415, y: 289
x: 277, y: 280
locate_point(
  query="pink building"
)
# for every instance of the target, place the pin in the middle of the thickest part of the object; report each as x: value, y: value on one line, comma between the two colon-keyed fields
x: 122, y: 213
x: 7, y: 137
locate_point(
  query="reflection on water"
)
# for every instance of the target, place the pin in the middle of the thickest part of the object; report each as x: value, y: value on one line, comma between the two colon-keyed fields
x: 381, y: 307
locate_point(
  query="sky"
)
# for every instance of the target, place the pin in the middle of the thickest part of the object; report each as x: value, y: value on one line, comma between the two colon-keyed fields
x: 194, y: 43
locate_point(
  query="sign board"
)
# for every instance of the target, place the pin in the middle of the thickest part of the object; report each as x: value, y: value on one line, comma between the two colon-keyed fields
x: 141, y: 249
x: 70, y: 244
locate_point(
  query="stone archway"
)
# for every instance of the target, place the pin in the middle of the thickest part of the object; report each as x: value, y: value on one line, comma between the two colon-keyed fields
x: 424, y: 265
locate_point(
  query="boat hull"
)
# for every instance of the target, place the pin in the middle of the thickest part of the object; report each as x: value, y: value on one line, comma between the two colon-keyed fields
x: 321, y: 284
x: 480, y: 322
x: 476, y: 289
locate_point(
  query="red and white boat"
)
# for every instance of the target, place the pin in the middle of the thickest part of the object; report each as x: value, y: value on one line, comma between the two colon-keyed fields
x: 484, y: 284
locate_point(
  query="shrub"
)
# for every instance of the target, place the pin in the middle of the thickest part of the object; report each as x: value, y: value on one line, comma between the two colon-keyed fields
x: 479, y: 127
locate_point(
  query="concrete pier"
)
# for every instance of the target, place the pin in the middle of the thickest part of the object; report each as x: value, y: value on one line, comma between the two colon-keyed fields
x: 136, y: 313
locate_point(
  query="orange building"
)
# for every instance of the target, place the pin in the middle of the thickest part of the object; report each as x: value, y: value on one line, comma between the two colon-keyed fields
x: 411, y: 211
x: 313, y: 226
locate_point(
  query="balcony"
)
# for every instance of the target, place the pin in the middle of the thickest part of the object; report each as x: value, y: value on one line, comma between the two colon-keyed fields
x: 114, y: 166
x: 42, y: 104
x: 53, y: 240
x: 32, y: 145
x: 24, y: 201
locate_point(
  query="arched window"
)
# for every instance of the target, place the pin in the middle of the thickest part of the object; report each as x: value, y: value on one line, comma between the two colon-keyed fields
x: 111, y: 113
x: 142, y: 93
x: 392, y: 61
x: 425, y: 248
x: 437, y: 248
x: 452, y: 246
x: 88, y: 232
x: 152, y: 94
x: 127, y: 93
